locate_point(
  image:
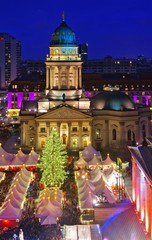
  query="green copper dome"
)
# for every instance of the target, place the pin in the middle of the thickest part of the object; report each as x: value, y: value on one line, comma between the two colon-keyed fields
x: 63, y: 36
x: 112, y: 100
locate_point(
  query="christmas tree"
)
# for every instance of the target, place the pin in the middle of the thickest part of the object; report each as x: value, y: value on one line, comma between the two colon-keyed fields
x: 53, y: 161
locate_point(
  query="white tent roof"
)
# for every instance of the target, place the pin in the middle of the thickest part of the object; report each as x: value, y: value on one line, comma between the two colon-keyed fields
x: 95, y: 161
x: 84, y: 195
x: 99, y: 185
x: 34, y: 154
x: 81, y: 162
x: 109, y: 195
x: 21, y: 154
x: 97, y: 177
x: 3, y: 161
x: 31, y: 160
x: 8, y: 159
x: 95, y: 171
x: 7, y: 156
x: 87, y: 203
x: 10, y: 212
x: 16, y: 161
x: 87, y: 186
x: 48, y: 220
x: 88, y: 153
x: 16, y: 195
x: 14, y: 201
x: 107, y: 161
x: 49, y: 210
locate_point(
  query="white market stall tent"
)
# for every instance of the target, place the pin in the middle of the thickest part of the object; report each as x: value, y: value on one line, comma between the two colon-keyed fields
x: 88, y: 153
x: 10, y: 160
x: 12, y: 206
x: 49, y: 206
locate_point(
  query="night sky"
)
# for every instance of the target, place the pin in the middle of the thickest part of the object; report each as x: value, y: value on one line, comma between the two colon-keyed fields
x: 120, y: 28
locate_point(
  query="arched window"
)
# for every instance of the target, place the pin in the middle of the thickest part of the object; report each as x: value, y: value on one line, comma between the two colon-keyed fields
x: 129, y: 135
x: 114, y: 134
x: 64, y: 138
x: 98, y: 133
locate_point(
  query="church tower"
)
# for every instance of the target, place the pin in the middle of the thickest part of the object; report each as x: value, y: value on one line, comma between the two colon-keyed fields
x: 63, y: 65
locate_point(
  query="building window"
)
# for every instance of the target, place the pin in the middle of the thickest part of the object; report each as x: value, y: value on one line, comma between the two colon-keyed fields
x: 42, y: 143
x: 98, y: 133
x: 114, y: 134
x: 85, y: 129
x: 129, y: 135
x: 74, y: 129
x: 42, y: 130
x: 84, y: 142
x: 75, y: 142
x: 64, y: 138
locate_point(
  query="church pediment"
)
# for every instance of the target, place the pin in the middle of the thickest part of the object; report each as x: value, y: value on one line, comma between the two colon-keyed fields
x: 64, y: 113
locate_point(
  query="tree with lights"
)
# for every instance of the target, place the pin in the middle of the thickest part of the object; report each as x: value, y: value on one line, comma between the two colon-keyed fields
x: 53, y: 161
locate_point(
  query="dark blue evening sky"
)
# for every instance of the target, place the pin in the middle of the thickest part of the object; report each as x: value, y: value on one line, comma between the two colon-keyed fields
x: 120, y: 28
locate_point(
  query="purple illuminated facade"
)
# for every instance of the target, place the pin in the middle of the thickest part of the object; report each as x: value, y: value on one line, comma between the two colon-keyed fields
x: 19, y: 91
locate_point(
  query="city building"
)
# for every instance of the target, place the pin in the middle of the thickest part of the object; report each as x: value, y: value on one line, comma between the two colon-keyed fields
x: 83, y: 51
x: 10, y: 52
x: 18, y: 91
x: 109, y: 121
x: 32, y: 66
x: 110, y: 65
x: 137, y: 86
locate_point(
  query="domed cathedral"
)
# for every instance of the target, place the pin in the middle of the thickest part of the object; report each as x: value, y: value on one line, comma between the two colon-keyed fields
x: 118, y: 122
x: 109, y: 121
x: 64, y: 105
x: 64, y: 66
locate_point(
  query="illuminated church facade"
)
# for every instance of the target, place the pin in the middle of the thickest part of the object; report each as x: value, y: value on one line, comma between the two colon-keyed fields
x: 109, y: 120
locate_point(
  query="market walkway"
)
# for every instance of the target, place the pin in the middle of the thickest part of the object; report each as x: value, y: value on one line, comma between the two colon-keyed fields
x: 124, y: 226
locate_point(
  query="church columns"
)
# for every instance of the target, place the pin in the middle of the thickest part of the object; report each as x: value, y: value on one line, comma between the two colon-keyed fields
x: 80, y: 77
x: 51, y: 78
x: 80, y: 135
x: 69, y: 136
x: 58, y: 129
x: 47, y: 78
x: 59, y: 77
x: 76, y: 77
x: 48, y: 129
x: 68, y: 79
x: 137, y: 133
